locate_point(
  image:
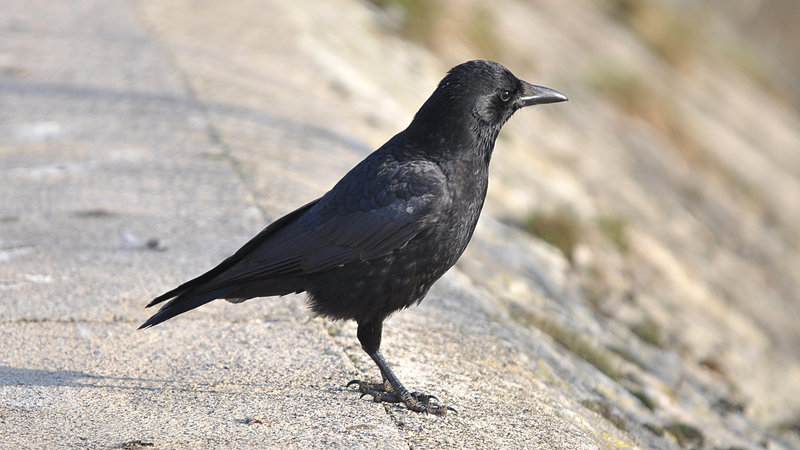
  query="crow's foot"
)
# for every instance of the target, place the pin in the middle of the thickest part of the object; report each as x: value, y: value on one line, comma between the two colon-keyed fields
x: 415, y: 401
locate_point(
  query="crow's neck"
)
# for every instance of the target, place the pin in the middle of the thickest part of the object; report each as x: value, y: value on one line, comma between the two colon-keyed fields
x: 452, y: 136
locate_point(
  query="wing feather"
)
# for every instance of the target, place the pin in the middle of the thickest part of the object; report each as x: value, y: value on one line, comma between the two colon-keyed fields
x: 338, y: 229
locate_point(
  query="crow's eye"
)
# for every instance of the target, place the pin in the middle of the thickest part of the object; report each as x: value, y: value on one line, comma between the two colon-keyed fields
x: 505, y: 95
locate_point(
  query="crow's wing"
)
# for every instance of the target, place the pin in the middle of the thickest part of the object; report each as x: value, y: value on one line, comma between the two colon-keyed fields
x: 367, y: 215
x: 375, y: 209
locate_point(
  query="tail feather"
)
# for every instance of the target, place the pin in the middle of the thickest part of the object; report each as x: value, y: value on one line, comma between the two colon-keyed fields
x: 184, y: 302
x: 180, y: 290
x: 229, y: 262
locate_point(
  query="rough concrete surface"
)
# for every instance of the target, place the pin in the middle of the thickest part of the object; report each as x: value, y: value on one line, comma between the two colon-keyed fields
x: 118, y: 183
x: 143, y: 141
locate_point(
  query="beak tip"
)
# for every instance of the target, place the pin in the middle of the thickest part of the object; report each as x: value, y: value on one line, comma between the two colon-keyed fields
x: 538, y: 95
x: 555, y: 97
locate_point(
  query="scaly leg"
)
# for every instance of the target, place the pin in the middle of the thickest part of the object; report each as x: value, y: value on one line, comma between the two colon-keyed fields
x: 391, y: 390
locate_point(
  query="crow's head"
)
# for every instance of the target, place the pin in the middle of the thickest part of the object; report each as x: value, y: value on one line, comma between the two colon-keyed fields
x: 480, y: 96
x: 492, y: 91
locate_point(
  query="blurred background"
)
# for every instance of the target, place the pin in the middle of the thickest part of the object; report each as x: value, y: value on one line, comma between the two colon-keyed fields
x: 663, y: 198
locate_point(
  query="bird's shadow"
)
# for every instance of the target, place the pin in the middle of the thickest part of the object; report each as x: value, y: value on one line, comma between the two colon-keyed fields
x: 19, y: 376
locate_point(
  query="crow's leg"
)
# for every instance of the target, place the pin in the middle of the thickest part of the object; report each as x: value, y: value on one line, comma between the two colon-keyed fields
x: 390, y: 390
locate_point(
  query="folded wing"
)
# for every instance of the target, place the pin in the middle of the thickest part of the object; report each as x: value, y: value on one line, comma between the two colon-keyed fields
x: 367, y: 215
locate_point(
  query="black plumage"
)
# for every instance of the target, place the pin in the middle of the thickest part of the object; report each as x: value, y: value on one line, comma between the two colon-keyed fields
x: 392, y: 226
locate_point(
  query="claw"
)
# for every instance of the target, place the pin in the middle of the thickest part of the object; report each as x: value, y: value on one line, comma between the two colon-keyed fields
x: 439, y: 410
x: 424, y: 398
x: 352, y: 382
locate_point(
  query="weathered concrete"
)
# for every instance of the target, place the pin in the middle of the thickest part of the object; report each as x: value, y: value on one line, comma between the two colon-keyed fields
x: 122, y: 177
x: 142, y: 142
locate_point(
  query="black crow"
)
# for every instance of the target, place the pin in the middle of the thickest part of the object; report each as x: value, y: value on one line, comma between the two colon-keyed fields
x: 395, y: 223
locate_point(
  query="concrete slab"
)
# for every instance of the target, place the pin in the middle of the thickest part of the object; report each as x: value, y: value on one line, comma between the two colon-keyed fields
x: 142, y: 142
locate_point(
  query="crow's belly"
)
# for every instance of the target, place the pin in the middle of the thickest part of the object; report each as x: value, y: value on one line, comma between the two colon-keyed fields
x: 371, y: 290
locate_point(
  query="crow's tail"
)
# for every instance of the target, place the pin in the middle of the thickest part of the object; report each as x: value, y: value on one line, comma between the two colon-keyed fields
x: 215, y: 284
x: 184, y: 302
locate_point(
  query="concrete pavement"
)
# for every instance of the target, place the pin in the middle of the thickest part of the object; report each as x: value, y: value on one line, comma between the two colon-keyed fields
x: 143, y: 141
x: 129, y: 163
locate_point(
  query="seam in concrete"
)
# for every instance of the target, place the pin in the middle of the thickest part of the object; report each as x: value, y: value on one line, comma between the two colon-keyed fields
x: 197, y: 104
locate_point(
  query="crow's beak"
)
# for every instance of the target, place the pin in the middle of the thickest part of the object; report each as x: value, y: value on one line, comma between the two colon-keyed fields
x: 538, y: 95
